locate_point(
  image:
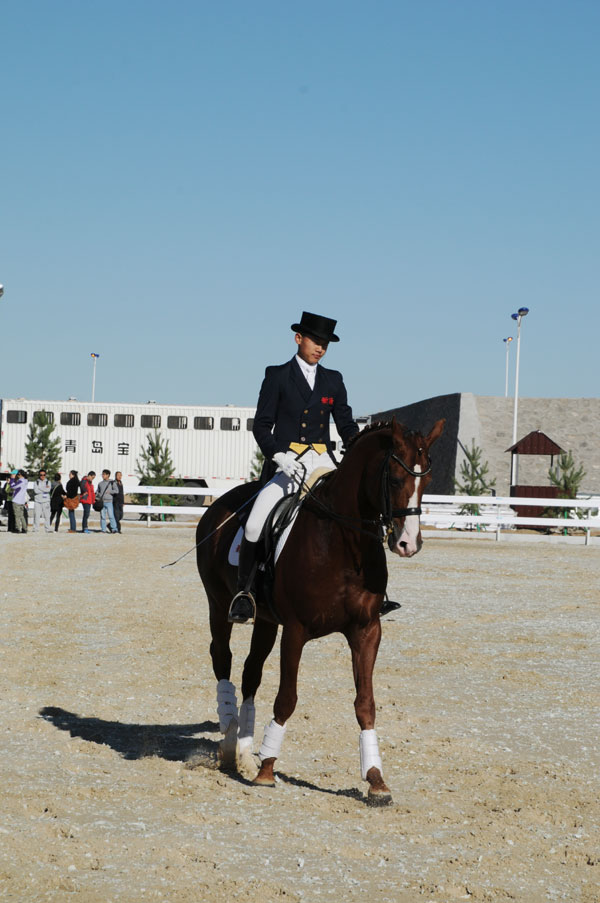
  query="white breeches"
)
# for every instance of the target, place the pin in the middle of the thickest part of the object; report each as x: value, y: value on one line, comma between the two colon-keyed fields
x: 279, y: 487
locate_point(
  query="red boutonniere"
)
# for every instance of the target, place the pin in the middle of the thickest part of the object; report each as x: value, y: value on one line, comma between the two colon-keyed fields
x: 326, y: 400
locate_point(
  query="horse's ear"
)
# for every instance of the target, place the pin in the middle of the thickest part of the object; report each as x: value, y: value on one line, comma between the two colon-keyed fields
x: 436, y: 432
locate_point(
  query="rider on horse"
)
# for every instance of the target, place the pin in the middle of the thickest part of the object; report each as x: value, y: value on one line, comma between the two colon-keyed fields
x: 291, y: 427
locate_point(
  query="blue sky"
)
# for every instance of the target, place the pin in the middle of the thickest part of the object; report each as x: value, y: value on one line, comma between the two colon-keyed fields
x: 180, y: 180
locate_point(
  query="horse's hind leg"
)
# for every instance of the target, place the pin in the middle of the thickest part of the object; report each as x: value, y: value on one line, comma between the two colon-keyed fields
x: 263, y: 639
x: 364, y: 644
x: 292, y: 643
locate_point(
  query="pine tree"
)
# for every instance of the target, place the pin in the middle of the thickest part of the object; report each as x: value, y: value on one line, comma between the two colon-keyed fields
x: 567, y: 478
x: 155, y: 467
x: 42, y: 450
x: 474, y: 474
x: 257, y: 465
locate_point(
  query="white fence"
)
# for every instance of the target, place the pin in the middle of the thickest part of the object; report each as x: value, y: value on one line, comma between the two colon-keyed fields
x: 149, y: 508
x: 440, y: 511
x: 497, y: 513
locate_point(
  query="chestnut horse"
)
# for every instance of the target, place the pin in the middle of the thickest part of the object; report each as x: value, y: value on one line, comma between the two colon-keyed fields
x: 331, y: 576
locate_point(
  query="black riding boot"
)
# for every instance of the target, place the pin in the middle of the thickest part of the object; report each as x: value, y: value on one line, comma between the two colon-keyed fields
x: 243, y: 604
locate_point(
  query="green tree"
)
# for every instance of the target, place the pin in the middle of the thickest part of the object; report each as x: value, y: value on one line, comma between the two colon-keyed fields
x: 257, y: 464
x: 475, y: 477
x: 42, y: 449
x: 567, y: 477
x: 155, y: 467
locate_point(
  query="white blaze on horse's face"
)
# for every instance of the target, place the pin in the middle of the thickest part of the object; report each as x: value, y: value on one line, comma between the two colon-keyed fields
x: 409, y: 542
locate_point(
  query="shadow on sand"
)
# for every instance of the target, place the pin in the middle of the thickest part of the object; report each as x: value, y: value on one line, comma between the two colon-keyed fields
x: 352, y: 793
x: 175, y: 742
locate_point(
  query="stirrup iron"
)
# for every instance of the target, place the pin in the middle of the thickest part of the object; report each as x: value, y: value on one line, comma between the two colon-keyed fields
x: 245, y: 603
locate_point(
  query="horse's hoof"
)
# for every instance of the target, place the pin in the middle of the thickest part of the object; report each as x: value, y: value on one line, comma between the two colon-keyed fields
x: 228, y: 747
x: 265, y: 776
x: 263, y: 782
x: 226, y: 762
x: 379, y: 799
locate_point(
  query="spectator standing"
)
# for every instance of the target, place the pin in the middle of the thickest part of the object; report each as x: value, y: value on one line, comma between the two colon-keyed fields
x: 119, y: 499
x: 72, y: 489
x: 41, y: 502
x: 56, y: 501
x: 107, y: 489
x: 19, y: 500
x: 8, y: 488
x: 88, y: 497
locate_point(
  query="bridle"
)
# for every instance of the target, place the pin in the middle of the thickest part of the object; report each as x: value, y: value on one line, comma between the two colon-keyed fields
x: 388, y: 513
x: 385, y: 521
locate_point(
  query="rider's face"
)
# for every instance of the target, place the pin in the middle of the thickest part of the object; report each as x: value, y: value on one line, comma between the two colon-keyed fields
x: 310, y: 349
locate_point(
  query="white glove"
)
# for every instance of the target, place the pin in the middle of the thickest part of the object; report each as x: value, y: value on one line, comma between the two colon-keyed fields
x: 288, y: 463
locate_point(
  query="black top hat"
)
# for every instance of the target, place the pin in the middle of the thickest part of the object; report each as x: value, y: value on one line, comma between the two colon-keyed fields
x: 319, y: 327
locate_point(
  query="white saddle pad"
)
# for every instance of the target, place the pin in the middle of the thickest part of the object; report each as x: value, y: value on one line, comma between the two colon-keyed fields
x: 234, y: 550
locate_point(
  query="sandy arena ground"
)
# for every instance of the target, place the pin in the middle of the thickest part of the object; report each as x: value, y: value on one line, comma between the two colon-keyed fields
x: 487, y: 697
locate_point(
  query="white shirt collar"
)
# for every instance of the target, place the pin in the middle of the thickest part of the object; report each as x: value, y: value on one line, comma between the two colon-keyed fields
x: 309, y: 371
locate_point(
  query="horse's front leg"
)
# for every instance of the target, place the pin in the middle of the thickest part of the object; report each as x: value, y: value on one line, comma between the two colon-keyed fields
x: 364, y: 644
x: 263, y: 639
x: 292, y: 643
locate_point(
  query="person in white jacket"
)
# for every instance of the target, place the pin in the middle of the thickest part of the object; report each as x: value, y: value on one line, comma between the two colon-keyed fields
x: 41, y: 502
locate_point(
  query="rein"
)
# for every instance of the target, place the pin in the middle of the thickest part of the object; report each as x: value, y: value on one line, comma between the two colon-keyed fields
x: 384, y: 522
x: 388, y: 513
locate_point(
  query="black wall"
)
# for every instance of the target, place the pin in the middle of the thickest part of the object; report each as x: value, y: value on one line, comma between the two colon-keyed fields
x: 421, y: 416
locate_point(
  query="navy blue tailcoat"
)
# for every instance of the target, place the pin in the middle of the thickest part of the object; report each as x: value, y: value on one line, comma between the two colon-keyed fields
x: 288, y: 410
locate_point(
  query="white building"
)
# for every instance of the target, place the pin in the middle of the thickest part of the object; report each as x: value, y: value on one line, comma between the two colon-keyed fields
x: 209, y: 446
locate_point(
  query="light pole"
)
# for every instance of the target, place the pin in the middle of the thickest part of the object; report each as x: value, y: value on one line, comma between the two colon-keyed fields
x: 95, y: 358
x: 507, y: 342
x: 522, y: 312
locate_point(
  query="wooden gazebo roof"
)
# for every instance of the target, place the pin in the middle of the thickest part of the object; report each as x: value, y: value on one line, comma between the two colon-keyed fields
x: 535, y: 443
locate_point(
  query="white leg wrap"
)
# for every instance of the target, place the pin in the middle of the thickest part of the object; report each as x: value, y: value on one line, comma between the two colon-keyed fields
x: 272, y: 740
x: 226, y: 704
x: 369, y: 753
x: 247, y: 718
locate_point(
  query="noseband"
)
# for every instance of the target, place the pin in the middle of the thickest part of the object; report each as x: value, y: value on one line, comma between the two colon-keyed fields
x: 387, y: 481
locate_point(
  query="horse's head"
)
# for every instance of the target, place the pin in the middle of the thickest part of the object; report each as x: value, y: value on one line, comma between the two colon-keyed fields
x: 391, y: 467
x: 405, y: 474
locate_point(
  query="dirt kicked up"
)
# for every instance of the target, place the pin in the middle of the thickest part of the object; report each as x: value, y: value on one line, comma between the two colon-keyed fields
x: 487, y: 700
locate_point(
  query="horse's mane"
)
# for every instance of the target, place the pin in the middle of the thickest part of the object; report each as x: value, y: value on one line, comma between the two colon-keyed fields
x: 375, y: 427
x: 371, y: 428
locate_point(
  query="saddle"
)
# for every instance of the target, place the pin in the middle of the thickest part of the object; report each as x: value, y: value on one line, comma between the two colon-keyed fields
x: 274, y: 534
